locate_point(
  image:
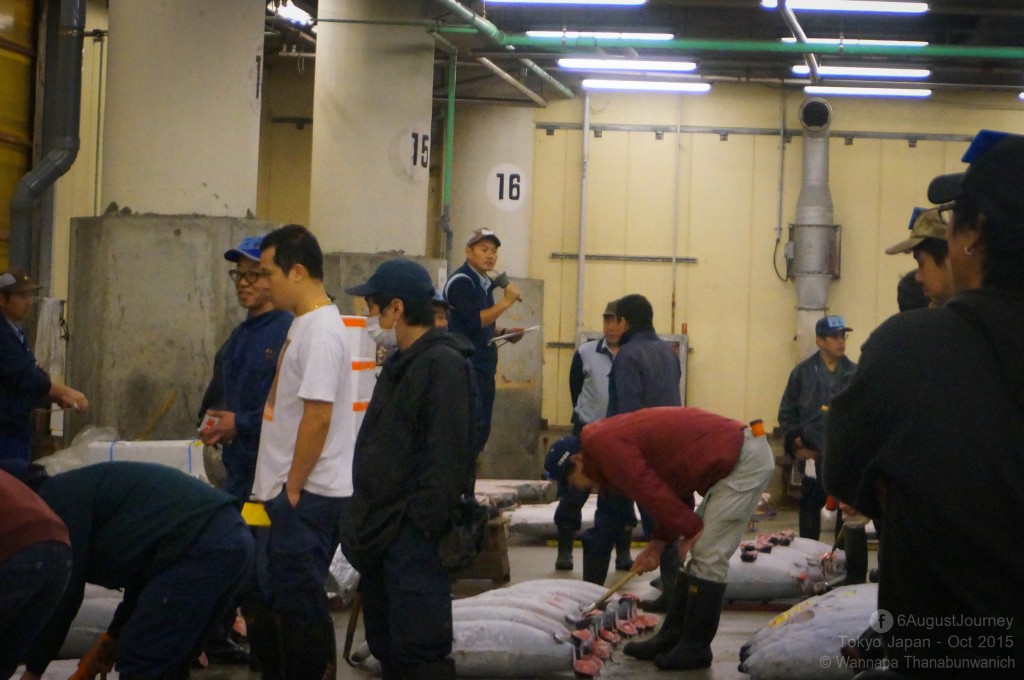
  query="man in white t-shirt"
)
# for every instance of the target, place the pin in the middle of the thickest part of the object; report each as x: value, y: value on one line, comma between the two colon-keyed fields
x: 304, y: 466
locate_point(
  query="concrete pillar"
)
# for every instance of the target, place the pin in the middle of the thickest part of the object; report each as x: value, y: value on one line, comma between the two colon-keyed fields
x: 371, y: 128
x: 181, y: 127
x: 492, y: 174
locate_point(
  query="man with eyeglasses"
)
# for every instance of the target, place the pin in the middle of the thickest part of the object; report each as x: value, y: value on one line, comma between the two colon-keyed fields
x: 812, y: 384
x: 24, y: 385
x: 927, y: 243
x: 231, y: 413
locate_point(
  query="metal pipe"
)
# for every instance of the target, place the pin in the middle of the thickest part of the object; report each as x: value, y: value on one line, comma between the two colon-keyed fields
x: 499, y: 37
x: 767, y: 46
x: 675, y: 205
x: 62, y: 110
x: 582, y: 256
x: 496, y: 70
x: 650, y: 259
x: 445, y: 221
x: 909, y: 137
x: 801, y: 37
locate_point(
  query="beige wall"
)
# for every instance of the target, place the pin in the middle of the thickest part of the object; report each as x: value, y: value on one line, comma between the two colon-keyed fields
x: 740, y: 316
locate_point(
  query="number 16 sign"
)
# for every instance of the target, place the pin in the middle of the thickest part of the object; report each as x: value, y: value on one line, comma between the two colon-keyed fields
x: 506, y: 187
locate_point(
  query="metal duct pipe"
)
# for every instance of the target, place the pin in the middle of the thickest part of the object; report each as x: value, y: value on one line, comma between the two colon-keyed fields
x: 813, y: 231
x: 63, y: 100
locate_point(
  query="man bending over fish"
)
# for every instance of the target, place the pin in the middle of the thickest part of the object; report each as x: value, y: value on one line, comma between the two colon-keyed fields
x: 659, y: 457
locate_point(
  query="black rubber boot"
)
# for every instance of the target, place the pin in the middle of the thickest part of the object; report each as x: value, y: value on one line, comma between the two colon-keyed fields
x: 671, y: 628
x: 566, y: 535
x: 669, y: 567
x: 703, y: 611
x: 310, y: 652
x: 263, y: 630
x: 623, y: 560
x: 435, y: 670
x: 595, y: 567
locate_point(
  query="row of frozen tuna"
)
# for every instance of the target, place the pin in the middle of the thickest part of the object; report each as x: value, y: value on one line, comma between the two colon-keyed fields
x: 537, y: 628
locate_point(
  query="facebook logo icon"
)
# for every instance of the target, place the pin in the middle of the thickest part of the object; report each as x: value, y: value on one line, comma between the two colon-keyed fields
x: 881, y: 621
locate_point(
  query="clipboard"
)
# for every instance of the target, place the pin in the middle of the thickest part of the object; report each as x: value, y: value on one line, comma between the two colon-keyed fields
x: 512, y: 335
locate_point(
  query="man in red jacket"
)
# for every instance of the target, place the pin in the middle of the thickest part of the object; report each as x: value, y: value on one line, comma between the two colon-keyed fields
x: 660, y: 457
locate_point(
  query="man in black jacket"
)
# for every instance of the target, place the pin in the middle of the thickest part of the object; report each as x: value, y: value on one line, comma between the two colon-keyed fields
x: 414, y: 453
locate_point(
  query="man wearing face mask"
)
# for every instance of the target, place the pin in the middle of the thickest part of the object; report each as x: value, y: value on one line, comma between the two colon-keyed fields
x: 474, y: 314
x: 413, y: 454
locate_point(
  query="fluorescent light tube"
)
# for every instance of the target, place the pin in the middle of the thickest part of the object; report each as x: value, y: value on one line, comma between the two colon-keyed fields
x: 867, y: 91
x: 567, y: 2
x: 625, y: 65
x: 599, y: 35
x: 863, y: 6
x: 645, y: 86
x: 290, y: 12
x: 856, y: 42
x: 863, y: 71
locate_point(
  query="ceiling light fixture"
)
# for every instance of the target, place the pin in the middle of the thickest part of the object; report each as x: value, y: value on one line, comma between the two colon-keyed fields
x: 645, y: 86
x: 289, y: 12
x: 862, y: 6
x: 625, y: 65
x: 599, y: 35
x: 857, y: 42
x: 567, y: 2
x: 867, y: 91
x: 863, y: 71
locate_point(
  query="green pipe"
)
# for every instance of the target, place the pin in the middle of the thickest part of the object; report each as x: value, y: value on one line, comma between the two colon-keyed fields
x: 499, y: 37
x: 963, y: 51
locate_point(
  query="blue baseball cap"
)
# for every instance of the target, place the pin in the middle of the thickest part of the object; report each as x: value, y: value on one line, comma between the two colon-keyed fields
x: 993, y: 178
x: 398, y: 279
x: 249, y: 248
x: 556, y: 463
x: 830, y: 325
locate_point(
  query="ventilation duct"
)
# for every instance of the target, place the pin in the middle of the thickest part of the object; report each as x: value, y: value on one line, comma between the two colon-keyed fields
x: 813, y: 249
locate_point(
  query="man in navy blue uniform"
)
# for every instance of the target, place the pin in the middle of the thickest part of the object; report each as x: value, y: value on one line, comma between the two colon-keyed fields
x: 474, y: 314
x: 23, y: 384
x: 231, y: 413
x: 243, y: 371
x: 645, y: 373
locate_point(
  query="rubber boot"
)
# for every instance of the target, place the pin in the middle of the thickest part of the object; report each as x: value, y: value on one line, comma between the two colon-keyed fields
x: 703, y: 611
x: 669, y: 567
x: 595, y: 567
x: 310, y: 650
x: 671, y: 628
x: 623, y: 560
x: 263, y: 628
x: 434, y: 670
x: 566, y: 535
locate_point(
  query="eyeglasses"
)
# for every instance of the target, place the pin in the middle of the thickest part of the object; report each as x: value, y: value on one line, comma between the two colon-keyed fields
x: 946, y: 212
x: 250, y: 277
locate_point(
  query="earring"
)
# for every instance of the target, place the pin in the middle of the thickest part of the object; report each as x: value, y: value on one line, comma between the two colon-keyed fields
x: 968, y: 251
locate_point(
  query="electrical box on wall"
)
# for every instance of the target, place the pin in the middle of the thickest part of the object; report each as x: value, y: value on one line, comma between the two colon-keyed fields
x: 814, y: 249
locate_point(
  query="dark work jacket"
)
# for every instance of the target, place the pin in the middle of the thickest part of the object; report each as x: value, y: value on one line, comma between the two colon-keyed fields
x: 243, y: 372
x: 23, y: 386
x: 127, y: 522
x: 930, y: 435
x: 467, y: 297
x: 645, y: 373
x: 415, y: 449
x: 811, y: 385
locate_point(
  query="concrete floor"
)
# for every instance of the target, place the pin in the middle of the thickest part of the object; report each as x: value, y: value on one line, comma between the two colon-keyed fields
x: 530, y: 560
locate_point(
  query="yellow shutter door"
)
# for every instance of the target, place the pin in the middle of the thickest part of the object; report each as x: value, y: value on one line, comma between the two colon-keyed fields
x: 17, y: 64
